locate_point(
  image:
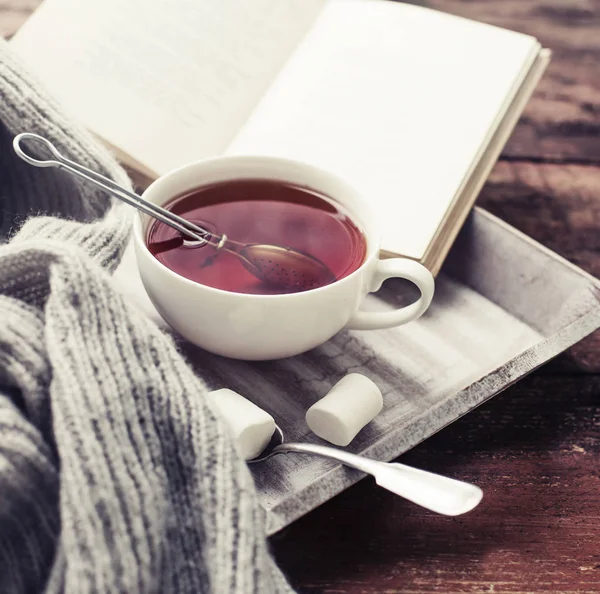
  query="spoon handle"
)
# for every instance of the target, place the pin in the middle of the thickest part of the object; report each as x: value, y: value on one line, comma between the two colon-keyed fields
x: 437, y: 493
x: 180, y: 224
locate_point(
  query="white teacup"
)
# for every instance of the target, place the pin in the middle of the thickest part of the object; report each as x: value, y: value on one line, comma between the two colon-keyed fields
x: 263, y: 327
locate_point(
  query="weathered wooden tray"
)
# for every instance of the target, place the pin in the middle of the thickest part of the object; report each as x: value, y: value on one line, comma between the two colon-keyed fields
x: 504, y: 305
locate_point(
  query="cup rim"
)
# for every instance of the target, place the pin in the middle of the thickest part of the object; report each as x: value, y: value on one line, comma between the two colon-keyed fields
x: 374, y: 237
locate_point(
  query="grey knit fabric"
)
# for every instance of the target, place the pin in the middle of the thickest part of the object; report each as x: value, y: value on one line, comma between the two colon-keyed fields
x: 114, y: 474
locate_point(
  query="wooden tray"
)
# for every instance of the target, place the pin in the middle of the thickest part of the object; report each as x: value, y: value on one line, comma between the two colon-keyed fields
x: 504, y: 305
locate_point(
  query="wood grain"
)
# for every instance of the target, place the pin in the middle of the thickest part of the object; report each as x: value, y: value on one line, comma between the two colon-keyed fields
x: 535, y: 448
x: 559, y: 206
x: 556, y: 205
x: 535, y: 451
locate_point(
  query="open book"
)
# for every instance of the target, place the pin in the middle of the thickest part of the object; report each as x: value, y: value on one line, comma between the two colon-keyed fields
x: 411, y: 105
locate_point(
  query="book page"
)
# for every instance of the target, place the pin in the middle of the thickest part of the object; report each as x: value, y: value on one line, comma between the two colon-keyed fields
x: 399, y: 100
x: 165, y: 81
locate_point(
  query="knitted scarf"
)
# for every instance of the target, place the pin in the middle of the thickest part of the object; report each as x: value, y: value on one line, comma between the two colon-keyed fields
x: 114, y: 474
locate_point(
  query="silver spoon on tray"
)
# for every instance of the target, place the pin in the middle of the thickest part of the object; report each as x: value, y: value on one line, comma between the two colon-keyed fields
x: 437, y: 493
x: 280, y: 267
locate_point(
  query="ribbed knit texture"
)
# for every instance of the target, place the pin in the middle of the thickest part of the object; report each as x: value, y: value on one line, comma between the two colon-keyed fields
x: 114, y: 474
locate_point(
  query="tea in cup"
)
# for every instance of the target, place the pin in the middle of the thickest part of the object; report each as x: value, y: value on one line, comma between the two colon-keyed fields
x: 212, y: 299
x: 263, y: 216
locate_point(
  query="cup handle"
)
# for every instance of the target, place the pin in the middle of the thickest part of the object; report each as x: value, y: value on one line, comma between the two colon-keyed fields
x: 396, y: 268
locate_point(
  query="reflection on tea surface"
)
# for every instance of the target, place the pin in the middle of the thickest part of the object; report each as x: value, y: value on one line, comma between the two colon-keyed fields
x: 257, y: 212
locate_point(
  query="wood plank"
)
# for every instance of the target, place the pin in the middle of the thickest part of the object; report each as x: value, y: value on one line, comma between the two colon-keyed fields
x: 534, y: 450
x: 559, y: 206
x: 562, y: 120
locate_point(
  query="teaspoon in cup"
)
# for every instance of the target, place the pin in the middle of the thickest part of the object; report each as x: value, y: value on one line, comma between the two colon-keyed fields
x: 281, y: 267
x: 437, y: 493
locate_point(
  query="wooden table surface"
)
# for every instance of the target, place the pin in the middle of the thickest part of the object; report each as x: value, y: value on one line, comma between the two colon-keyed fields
x: 535, y: 448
